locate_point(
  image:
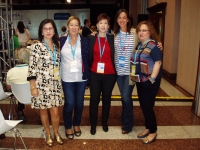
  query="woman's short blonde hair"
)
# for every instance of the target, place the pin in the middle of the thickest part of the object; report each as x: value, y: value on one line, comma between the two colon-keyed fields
x: 73, y: 18
x: 23, y: 56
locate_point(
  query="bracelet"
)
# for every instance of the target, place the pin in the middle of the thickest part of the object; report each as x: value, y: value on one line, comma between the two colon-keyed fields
x: 151, y: 79
x: 33, y: 88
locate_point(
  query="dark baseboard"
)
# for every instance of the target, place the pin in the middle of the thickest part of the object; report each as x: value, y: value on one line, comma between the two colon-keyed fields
x: 171, y: 76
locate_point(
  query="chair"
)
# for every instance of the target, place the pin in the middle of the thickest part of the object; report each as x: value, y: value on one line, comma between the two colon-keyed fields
x: 6, y: 125
x: 21, y: 92
x: 4, y: 95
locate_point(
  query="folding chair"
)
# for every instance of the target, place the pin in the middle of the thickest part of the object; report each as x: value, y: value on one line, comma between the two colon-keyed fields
x: 21, y: 92
x: 7, y: 125
x: 4, y: 95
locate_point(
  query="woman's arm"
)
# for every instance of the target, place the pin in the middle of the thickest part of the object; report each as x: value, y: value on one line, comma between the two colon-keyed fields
x: 156, y: 69
x: 34, y: 91
x: 33, y: 67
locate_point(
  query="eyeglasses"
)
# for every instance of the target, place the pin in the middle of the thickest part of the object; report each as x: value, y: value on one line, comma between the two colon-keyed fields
x: 143, y: 30
x: 48, y: 29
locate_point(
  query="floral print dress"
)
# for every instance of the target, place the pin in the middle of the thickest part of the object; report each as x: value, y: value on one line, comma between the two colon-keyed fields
x: 41, y: 68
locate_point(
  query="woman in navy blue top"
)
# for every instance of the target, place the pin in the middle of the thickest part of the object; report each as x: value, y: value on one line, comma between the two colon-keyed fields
x: 74, y: 75
x: 145, y: 70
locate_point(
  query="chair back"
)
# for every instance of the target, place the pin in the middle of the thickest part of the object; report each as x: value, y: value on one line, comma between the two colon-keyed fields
x: 21, y: 92
x: 6, y: 125
x: 3, y: 95
x: 1, y: 118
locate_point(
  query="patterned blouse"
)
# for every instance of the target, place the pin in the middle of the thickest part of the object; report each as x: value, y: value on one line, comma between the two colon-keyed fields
x: 41, y: 68
x: 144, y: 59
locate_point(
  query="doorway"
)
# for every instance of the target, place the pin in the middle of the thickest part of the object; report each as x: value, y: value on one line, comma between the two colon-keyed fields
x: 157, y: 17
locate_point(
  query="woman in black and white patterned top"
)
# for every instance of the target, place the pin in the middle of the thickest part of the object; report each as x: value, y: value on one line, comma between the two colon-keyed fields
x: 43, y: 74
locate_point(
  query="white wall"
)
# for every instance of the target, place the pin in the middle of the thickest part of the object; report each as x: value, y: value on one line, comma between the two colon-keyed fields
x: 32, y: 18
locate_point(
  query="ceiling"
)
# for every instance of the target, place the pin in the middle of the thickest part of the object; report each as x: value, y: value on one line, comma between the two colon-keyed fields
x: 22, y: 2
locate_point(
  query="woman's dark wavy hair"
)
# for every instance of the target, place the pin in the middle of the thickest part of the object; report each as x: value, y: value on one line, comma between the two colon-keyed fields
x: 21, y: 27
x: 55, y: 37
x: 116, y: 25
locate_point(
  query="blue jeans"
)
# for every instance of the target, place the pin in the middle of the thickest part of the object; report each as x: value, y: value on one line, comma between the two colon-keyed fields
x: 127, y: 103
x: 74, y: 99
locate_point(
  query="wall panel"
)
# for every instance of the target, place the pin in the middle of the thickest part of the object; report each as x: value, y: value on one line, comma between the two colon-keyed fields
x: 188, y: 45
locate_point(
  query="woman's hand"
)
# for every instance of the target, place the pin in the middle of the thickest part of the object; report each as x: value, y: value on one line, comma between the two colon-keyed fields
x: 160, y: 46
x: 34, y: 92
x: 94, y: 33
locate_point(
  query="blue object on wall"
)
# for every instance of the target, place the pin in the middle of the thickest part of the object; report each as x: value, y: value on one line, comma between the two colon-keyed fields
x: 61, y: 16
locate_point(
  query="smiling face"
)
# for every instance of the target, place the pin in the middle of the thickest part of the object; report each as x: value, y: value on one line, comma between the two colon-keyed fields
x: 143, y: 33
x: 48, y: 31
x: 122, y: 20
x: 103, y: 26
x: 73, y: 27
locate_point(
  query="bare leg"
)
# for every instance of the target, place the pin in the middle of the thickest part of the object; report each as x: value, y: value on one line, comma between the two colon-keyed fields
x: 44, y: 116
x: 55, y: 119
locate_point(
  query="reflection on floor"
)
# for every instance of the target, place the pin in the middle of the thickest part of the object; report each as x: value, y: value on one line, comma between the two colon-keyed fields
x: 168, y: 90
x: 178, y: 127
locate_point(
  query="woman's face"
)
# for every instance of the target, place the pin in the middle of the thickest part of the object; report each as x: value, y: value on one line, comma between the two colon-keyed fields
x: 103, y: 26
x: 143, y: 33
x: 73, y: 27
x: 122, y: 20
x: 48, y: 31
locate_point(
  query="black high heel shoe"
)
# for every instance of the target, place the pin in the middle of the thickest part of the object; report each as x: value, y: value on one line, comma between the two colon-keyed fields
x: 77, y: 133
x: 93, y: 130
x: 69, y: 136
x: 105, y: 128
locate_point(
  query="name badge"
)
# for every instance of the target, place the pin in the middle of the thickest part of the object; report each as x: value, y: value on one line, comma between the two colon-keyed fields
x: 133, y: 68
x: 74, y: 66
x: 121, y: 61
x: 100, y: 67
x: 56, y: 73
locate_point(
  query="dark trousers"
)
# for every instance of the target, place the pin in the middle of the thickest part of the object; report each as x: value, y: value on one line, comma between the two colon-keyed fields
x: 146, y: 94
x: 100, y: 84
x: 20, y: 106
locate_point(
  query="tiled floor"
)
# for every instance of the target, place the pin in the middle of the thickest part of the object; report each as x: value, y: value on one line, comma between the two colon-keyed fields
x: 178, y: 127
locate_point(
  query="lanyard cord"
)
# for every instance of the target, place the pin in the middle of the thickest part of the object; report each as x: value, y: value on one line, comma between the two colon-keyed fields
x: 73, y: 50
x: 122, y: 45
x: 101, y: 50
x: 53, y: 55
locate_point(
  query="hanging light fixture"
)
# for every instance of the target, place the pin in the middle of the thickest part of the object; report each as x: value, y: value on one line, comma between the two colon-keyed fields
x: 69, y: 1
